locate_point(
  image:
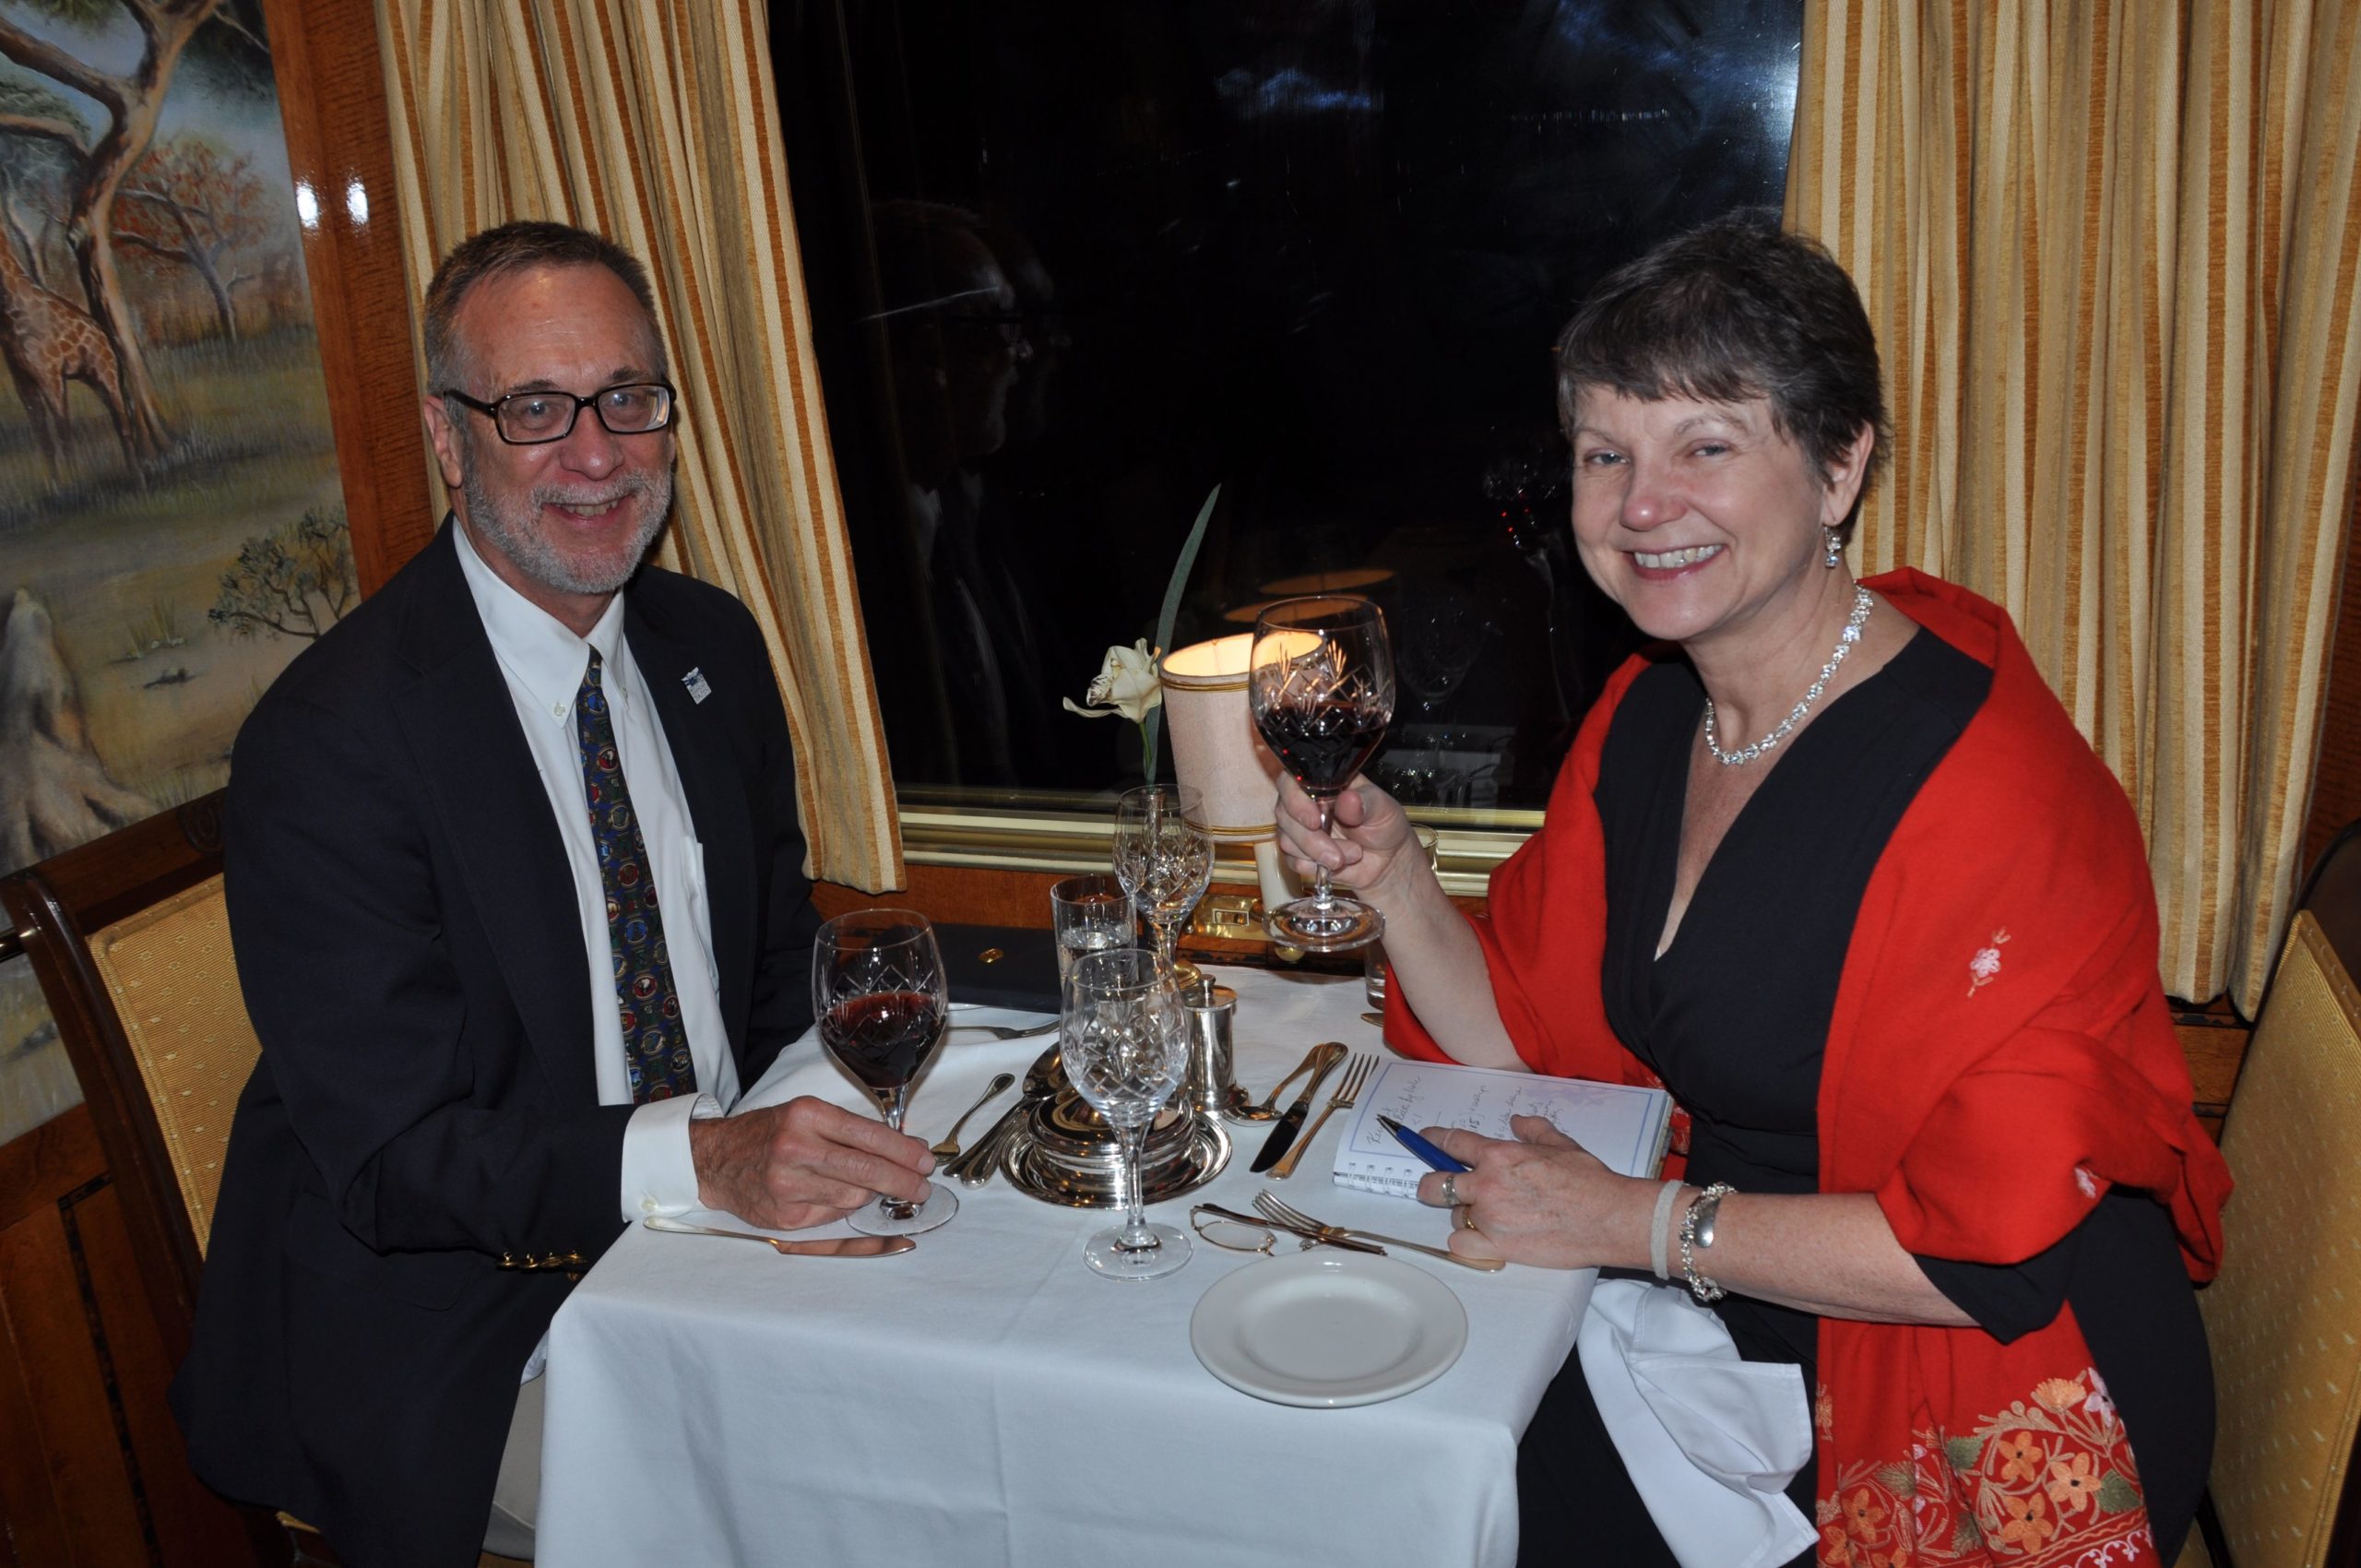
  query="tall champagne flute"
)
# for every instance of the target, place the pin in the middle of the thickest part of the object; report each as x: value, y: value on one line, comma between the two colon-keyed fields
x: 883, y: 1005
x: 1164, y: 857
x: 1321, y: 682
x: 1125, y: 1041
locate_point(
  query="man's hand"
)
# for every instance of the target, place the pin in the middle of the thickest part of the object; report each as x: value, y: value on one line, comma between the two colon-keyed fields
x: 803, y: 1163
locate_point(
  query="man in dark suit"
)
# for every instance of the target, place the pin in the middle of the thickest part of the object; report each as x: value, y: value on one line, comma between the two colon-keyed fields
x: 517, y: 893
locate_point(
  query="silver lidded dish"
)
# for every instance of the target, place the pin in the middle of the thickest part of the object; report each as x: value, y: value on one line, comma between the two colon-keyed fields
x: 1065, y: 1153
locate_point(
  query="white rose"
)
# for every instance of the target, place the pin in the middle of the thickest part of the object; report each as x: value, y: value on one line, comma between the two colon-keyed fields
x: 1126, y: 685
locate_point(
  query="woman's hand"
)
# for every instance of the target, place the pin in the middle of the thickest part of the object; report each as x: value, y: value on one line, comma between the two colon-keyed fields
x: 1543, y: 1200
x: 1364, y: 845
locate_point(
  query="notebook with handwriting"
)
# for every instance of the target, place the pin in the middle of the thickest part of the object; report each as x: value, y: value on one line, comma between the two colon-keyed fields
x: 1624, y: 1125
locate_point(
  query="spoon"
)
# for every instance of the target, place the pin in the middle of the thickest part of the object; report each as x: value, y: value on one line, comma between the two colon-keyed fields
x: 832, y: 1247
x: 976, y: 1167
x: 949, y: 1146
x: 1238, y: 1108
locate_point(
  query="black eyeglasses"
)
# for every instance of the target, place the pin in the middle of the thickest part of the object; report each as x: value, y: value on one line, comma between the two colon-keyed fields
x: 533, y: 419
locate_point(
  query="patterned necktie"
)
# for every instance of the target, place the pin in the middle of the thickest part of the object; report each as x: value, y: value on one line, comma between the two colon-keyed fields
x: 656, y: 1046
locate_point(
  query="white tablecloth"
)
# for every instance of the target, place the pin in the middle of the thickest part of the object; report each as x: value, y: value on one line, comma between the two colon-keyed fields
x: 987, y: 1399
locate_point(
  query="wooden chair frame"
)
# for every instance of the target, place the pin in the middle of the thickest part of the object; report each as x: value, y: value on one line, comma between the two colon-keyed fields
x: 54, y: 907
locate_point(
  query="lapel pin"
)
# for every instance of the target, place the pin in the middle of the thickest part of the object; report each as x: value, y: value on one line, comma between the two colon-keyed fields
x: 695, y: 681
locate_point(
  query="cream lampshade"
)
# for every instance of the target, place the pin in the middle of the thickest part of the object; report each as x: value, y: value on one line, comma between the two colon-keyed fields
x: 1216, y: 749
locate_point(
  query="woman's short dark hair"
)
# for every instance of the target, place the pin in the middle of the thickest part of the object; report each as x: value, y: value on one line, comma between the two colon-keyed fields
x: 1733, y: 310
x: 505, y: 249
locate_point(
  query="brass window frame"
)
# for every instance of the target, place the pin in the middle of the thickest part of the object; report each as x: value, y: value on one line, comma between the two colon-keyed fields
x: 1047, y: 833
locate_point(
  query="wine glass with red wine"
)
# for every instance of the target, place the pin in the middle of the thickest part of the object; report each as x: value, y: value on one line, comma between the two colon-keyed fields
x: 883, y: 1006
x: 1322, y: 684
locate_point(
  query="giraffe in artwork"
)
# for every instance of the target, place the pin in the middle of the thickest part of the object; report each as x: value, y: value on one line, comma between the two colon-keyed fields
x: 48, y: 341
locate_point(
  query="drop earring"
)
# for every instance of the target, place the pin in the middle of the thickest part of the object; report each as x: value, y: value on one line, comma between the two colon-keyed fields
x: 1835, y: 549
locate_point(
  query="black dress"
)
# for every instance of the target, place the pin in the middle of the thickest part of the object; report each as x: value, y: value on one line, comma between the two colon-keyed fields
x: 1734, y: 1017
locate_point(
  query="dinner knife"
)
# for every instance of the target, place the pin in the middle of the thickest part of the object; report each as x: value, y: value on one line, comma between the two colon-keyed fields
x: 827, y: 1247
x: 1283, y: 1136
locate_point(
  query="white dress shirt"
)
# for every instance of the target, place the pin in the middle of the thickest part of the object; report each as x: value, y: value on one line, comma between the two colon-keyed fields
x: 544, y: 663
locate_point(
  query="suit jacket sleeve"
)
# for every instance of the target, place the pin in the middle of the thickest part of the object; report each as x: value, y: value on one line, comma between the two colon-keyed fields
x: 386, y: 1025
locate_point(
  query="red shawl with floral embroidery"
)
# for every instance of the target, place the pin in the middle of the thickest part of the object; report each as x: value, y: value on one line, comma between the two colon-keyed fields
x: 1999, y: 1056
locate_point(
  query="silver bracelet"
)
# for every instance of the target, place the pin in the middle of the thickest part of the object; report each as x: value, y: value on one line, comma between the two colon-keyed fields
x: 1660, y: 1230
x: 1697, y: 1231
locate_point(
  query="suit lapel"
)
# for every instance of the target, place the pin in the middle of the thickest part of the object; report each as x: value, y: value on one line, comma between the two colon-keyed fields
x: 698, y: 735
x: 489, y: 799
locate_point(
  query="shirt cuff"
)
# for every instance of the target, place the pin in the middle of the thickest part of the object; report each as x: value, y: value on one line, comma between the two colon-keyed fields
x: 659, y: 1175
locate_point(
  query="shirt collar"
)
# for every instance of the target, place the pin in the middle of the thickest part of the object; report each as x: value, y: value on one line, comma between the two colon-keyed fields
x: 540, y: 652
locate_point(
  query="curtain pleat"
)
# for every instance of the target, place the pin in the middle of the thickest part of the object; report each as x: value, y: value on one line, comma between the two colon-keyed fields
x: 2109, y: 249
x: 653, y: 121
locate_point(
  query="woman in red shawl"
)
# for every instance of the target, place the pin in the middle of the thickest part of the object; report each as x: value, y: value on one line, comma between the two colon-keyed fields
x: 1833, y: 864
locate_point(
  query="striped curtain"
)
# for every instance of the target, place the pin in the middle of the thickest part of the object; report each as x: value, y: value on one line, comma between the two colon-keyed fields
x: 653, y: 121
x: 2109, y: 247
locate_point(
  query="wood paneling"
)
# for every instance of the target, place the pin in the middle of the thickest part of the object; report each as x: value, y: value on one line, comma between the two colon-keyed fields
x: 92, y: 1471
x: 332, y: 98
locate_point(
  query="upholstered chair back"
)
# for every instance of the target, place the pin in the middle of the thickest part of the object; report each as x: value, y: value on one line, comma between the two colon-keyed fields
x: 2285, y: 1316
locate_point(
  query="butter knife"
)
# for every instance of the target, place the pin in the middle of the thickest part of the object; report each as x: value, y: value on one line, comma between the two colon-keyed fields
x: 975, y: 1167
x: 1283, y: 1136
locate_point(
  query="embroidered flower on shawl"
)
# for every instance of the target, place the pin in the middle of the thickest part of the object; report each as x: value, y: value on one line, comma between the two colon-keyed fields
x: 2046, y: 1482
x: 2058, y: 1393
x: 2028, y: 1523
x: 1984, y: 968
x: 2021, y: 1457
x: 2071, y: 1485
x: 1823, y: 1414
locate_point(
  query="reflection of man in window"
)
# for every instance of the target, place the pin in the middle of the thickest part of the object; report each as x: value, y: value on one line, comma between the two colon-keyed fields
x: 957, y: 347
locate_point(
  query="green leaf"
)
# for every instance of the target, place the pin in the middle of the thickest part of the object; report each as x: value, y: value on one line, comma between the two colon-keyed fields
x: 1963, y: 1452
x: 1899, y: 1479
x: 2118, y: 1495
x: 1171, y: 611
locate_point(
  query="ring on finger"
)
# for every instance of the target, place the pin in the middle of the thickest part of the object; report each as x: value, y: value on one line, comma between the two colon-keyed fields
x: 1450, y: 1189
x: 1464, y: 1216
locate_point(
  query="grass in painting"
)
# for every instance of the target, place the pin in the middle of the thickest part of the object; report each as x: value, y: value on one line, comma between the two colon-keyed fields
x: 129, y: 564
x: 247, y: 418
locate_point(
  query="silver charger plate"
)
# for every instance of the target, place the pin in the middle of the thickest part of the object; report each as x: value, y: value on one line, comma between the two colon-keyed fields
x: 1064, y: 1153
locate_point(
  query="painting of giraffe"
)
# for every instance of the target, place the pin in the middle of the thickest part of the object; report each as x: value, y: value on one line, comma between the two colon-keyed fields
x: 152, y: 289
x: 48, y: 341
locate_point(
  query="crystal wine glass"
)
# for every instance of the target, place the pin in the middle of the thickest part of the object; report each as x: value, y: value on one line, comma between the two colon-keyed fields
x: 1125, y: 1041
x: 1321, y: 682
x: 1164, y: 857
x: 883, y: 1005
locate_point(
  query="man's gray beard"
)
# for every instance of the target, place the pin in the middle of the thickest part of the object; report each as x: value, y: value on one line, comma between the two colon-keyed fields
x: 538, y: 558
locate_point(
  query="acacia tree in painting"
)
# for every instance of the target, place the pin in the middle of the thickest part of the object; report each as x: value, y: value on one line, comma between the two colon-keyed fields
x: 99, y: 163
x: 295, y: 580
x: 187, y: 203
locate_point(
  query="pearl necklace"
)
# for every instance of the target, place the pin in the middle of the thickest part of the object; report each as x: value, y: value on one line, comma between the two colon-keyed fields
x: 1862, y: 603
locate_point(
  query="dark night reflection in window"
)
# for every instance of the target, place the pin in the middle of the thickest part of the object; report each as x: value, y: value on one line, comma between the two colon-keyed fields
x: 1073, y: 264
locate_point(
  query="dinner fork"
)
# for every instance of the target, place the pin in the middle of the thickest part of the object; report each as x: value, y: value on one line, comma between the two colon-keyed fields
x: 1357, y: 1073
x: 1271, y: 1208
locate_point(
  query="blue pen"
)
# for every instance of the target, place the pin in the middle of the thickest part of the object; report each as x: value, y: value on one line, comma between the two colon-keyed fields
x: 1420, y: 1147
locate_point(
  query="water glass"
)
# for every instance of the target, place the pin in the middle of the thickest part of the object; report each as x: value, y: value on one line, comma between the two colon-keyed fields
x: 1088, y: 914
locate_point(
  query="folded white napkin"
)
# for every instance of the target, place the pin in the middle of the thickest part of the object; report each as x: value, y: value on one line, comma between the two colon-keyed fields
x: 1710, y: 1441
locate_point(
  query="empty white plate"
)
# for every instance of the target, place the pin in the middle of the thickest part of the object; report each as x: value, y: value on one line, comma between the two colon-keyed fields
x: 1328, y: 1328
